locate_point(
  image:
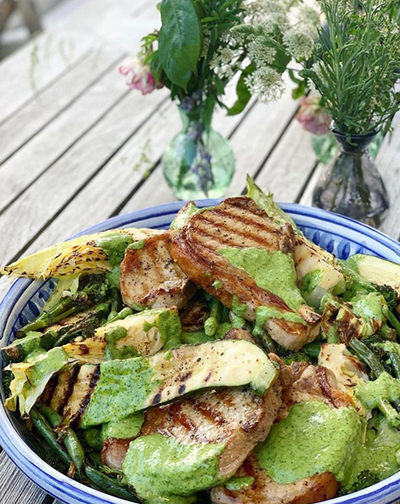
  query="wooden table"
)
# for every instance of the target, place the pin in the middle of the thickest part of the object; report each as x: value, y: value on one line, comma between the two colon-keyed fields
x: 77, y: 147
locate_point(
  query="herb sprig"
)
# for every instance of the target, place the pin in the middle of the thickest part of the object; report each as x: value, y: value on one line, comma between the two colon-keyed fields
x: 356, y: 63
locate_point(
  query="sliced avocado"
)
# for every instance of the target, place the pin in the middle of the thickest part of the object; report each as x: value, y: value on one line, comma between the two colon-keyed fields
x: 376, y: 270
x: 143, y: 333
x: 131, y: 385
x: 19, y: 349
x: 317, y: 271
x: 125, y: 428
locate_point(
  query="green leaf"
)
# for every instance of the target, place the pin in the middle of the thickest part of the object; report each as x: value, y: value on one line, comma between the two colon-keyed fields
x: 209, y: 109
x: 299, y: 91
x: 179, y: 40
x: 242, y: 91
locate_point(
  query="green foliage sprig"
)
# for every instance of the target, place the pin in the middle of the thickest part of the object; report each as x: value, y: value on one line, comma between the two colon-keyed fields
x: 356, y: 63
x: 203, y: 44
x: 190, y: 35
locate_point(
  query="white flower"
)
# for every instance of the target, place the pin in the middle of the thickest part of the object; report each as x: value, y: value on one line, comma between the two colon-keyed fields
x: 223, y: 62
x: 266, y: 83
x: 299, y: 44
x: 259, y: 52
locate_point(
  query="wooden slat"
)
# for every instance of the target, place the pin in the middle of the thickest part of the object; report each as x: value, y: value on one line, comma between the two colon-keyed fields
x: 99, y: 199
x: 388, y: 163
x: 306, y: 198
x: 111, y: 22
x: 24, y: 124
x: 289, y: 166
x: 252, y: 138
x: 37, y: 65
x: 57, y: 186
x: 15, y: 487
x: 256, y: 137
x: 54, y: 140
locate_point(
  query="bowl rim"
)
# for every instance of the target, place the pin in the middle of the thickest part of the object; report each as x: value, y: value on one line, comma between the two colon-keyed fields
x: 61, y: 486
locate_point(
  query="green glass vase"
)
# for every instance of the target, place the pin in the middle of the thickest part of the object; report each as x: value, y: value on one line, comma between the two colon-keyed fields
x: 199, y: 162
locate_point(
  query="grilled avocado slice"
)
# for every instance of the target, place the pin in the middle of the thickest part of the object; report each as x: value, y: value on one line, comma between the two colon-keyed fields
x: 130, y: 385
x: 19, y: 349
x: 376, y: 270
x: 144, y: 333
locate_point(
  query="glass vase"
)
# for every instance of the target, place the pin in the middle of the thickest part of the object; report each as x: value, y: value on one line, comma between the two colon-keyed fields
x: 198, y: 163
x: 351, y: 185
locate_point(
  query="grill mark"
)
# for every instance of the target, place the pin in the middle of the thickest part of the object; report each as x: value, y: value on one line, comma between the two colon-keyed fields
x: 249, y: 218
x: 71, y: 383
x: 85, y: 401
x: 246, y: 233
x: 157, y: 398
x: 178, y: 416
x: 194, y: 237
x: 233, y: 237
x: 220, y: 269
x: 50, y: 388
x: 208, y: 412
x: 186, y: 376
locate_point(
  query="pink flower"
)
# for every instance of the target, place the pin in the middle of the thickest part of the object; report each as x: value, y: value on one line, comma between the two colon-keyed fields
x: 312, y: 116
x: 138, y: 76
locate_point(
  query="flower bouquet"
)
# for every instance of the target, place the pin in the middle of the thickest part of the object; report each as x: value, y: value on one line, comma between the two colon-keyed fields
x: 203, y: 46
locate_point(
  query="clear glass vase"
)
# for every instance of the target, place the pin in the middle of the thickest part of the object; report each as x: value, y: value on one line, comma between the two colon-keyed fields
x: 199, y: 162
x: 351, y: 184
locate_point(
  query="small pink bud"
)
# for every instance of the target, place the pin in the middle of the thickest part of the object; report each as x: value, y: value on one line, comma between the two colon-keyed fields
x: 312, y: 116
x: 138, y: 76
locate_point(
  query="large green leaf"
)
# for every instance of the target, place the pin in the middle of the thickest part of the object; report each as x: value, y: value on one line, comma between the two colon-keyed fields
x: 242, y: 91
x: 179, y: 41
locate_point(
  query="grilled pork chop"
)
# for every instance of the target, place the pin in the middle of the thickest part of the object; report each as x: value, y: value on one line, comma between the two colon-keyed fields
x: 240, y: 223
x: 300, y: 383
x: 264, y: 490
x: 150, y: 278
x: 238, y: 418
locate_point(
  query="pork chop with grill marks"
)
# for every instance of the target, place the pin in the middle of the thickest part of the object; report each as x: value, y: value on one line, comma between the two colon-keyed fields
x: 264, y: 490
x: 240, y: 223
x: 238, y: 418
x: 300, y: 383
x: 151, y: 279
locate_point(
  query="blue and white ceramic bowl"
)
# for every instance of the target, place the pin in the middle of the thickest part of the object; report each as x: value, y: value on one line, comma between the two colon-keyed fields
x: 335, y: 233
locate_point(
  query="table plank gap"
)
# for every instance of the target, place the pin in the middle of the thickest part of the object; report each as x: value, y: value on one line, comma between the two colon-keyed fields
x: 32, y: 119
x: 306, y: 197
x: 267, y: 124
x: 308, y: 184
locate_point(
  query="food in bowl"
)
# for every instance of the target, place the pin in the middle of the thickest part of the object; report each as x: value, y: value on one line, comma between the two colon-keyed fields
x: 228, y: 358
